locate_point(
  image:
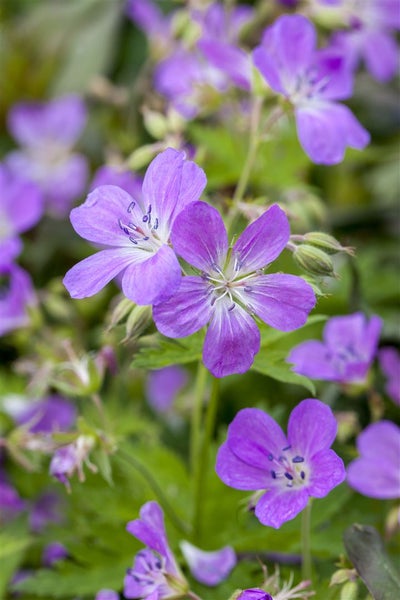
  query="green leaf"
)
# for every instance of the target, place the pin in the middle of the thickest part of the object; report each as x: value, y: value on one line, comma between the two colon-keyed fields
x: 367, y: 553
x: 14, y: 541
x: 273, y: 363
x: 164, y: 352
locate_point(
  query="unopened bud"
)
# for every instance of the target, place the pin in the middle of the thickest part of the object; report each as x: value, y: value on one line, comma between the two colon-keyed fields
x: 326, y: 242
x: 155, y: 123
x: 142, y: 156
x: 120, y: 311
x: 138, y: 320
x: 313, y: 260
x: 349, y: 591
x: 342, y: 576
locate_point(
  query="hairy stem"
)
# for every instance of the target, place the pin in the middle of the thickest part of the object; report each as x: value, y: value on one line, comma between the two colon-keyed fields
x: 306, y: 562
x: 195, y: 433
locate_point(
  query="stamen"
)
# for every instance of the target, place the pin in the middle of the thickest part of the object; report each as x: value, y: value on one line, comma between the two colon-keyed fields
x: 247, y: 288
x: 298, y: 459
x: 133, y: 240
x: 273, y: 474
x: 270, y: 457
x: 231, y: 307
x: 145, y: 218
x: 286, y: 448
x: 302, y: 475
x: 155, y: 226
x: 288, y: 476
x: 131, y: 207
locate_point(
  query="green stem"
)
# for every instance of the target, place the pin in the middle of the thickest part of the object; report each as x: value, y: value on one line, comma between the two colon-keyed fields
x: 145, y: 473
x: 200, y: 474
x: 306, y: 563
x: 195, y: 433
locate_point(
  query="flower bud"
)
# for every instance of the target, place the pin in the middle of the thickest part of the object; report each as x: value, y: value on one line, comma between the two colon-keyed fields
x: 142, y: 156
x: 314, y: 260
x: 138, y: 320
x: 155, y: 123
x: 325, y: 242
x: 349, y: 591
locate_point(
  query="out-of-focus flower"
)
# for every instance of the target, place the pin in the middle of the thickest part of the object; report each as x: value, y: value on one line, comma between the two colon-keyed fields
x: 53, y: 553
x: 16, y: 295
x: 112, y: 175
x: 285, y: 471
x: 149, y: 18
x: 345, y: 355
x: 370, y: 37
x: 48, y: 508
x: 209, y: 568
x: 389, y: 360
x: 136, y: 232
x: 20, y: 209
x: 376, y: 473
x: 70, y: 458
x: 155, y: 574
x: 163, y: 385
x: 51, y: 414
x: 107, y: 595
x: 47, y: 131
x: 312, y: 80
x: 232, y: 287
x: 11, y: 503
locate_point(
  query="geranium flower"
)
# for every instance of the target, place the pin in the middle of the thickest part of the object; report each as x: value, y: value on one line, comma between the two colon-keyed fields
x: 231, y: 287
x: 389, y: 360
x: 371, y: 35
x: 209, y: 568
x: 376, y: 473
x: 136, y: 232
x: 254, y: 594
x: 345, y: 355
x: 21, y: 206
x: 312, y: 80
x: 155, y: 573
x: 16, y: 295
x: 163, y: 385
x: 47, y: 132
x: 284, y: 470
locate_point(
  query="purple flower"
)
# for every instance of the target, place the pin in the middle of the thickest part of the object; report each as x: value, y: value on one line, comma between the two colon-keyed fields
x: 20, y: 209
x: 111, y: 175
x: 16, y: 295
x: 47, y: 131
x: 135, y: 232
x: 389, y: 360
x: 70, y: 458
x: 376, y: 473
x: 371, y: 35
x: 48, y: 415
x: 107, y: 595
x: 155, y: 573
x: 345, y: 355
x: 46, y: 509
x: 209, y: 568
x: 254, y: 594
x: 312, y: 80
x: 10, y: 501
x: 53, y: 553
x: 150, y: 19
x: 163, y: 385
x: 231, y: 287
x: 284, y: 470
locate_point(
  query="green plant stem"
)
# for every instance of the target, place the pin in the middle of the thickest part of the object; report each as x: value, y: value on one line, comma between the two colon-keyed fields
x: 145, y: 473
x: 306, y: 563
x: 256, y: 132
x: 200, y: 473
x: 195, y: 425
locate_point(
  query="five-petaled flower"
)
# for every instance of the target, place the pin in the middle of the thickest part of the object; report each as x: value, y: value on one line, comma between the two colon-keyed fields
x: 376, y: 472
x: 312, y: 80
x: 345, y: 355
x: 232, y: 287
x: 155, y: 573
x: 136, y: 232
x: 284, y: 471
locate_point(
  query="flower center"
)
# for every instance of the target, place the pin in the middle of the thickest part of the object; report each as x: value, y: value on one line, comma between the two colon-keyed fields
x: 288, y: 469
x: 228, y: 284
x: 142, y: 234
